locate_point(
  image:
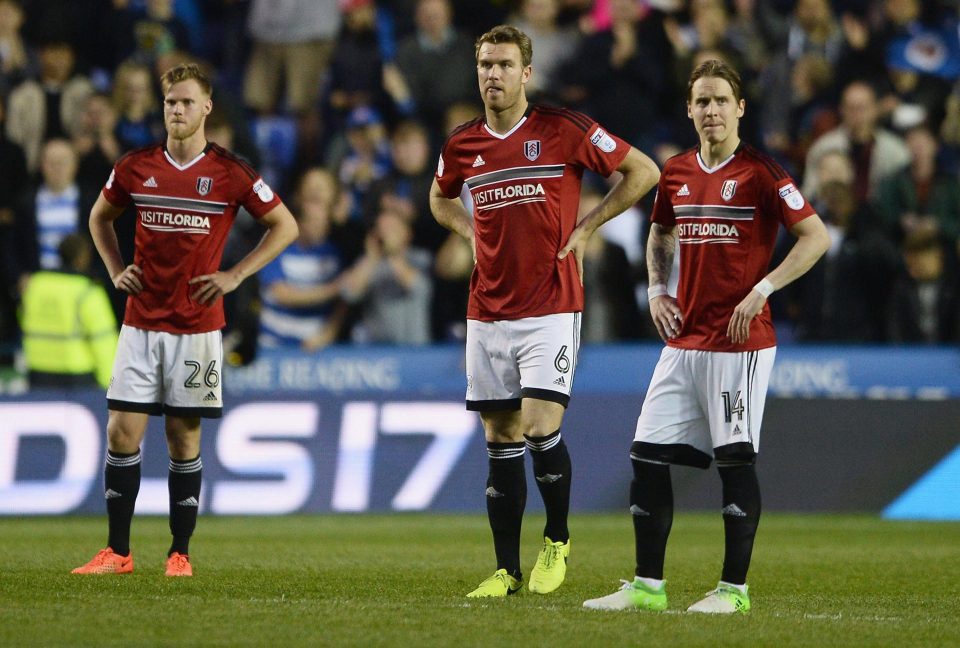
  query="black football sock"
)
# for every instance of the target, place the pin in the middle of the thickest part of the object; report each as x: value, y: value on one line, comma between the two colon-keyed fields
x: 121, y: 484
x: 506, y: 499
x: 651, y: 506
x: 551, y: 468
x: 741, y: 516
x: 183, y: 483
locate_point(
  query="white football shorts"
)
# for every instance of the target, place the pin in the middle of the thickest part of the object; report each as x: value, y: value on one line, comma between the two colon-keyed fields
x: 165, y: 373
x: 702, y: 405
x: 532, y: 357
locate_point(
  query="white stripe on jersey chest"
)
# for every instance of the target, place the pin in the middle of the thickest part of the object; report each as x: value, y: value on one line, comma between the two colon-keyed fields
x: 704, y: 216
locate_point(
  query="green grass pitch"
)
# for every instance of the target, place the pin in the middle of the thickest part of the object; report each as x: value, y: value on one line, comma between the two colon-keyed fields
x: 400, y: 580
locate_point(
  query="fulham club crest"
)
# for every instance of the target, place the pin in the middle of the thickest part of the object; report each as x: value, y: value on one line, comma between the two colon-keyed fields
x: 729, y: 188
x: 531, y: 149
x: 204, y: 185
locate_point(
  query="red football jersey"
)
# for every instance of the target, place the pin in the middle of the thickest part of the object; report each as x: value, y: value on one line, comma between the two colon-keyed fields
x: 525, y: 186
x: 726, y: 219
x: 184, y: 214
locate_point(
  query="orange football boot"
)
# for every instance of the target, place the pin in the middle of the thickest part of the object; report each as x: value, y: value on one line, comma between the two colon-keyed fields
x: 107, y: 562
x: 178, y: 564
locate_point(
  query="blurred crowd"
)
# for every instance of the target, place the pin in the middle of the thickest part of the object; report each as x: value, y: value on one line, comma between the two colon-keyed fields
x: 343, y: 105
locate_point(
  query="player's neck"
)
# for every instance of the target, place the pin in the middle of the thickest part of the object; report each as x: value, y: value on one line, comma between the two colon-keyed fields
x: 502, y: 122
x: 185, y: 150
x: 714, y: 154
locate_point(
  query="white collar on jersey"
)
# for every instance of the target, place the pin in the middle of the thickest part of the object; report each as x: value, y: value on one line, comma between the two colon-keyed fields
x: 707, y: 169
x: 189, y: 164
x: 509, y: 132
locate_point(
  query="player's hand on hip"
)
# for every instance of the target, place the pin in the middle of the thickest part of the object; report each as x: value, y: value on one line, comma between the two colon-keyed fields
x: 128, y: 280
x: 577, y: 243
x: 738, y: 330
x: 667, y: 316
x: 213, y: 286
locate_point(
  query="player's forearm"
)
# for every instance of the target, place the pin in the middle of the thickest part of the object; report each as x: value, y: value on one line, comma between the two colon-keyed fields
x: 661, y: 247
x: 452, y: 215
x: 639, y: 174
x: 274, y: 241
x: 105, y: 240
x: 808, y: 249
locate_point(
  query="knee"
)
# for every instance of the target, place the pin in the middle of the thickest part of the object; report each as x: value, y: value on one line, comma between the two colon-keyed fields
x: 122, y: 437
x: 183, y: 439
x: 535, y: 429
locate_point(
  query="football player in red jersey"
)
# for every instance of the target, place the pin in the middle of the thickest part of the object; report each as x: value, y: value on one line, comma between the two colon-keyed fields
x: 522, y: 165
x: 724, y: 202
x: 170, y: 354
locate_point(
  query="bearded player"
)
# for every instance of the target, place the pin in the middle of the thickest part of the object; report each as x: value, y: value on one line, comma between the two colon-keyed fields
x: 170, y: 354
x: 522, y: 165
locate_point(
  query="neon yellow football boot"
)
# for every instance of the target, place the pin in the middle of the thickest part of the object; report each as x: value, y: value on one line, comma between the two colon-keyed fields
x: 551, y: 567
x: 501, y: 584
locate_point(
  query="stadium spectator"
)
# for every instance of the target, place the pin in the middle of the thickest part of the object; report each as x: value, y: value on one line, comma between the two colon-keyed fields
x: 292, y: 44
x: 300, y: 288
x: 555, y: 43
x: 452, y: 268
x: 797, y: 111
x: 610, y: 310
x: 13, y: 169
x: 18, y: 61
x: 876, y: 152
x: 433, y: 59
x: 69, y: 330
x: 391, y: 282
x: 453, y: 263
x: 405, y: 190
x: 367, y: 158
x: 706, y: 397
x: 925, y: 307
x: 50, y: 106
x: 359, y: 69
x: 523, y: 317
x: 51, y: 211
x: 621, y: 75
x: 169, y: 354
x: 846, y: 294
x: 138, y: 122
x: 96, y: 140
x: 925, y: 195
x: 144, y: 34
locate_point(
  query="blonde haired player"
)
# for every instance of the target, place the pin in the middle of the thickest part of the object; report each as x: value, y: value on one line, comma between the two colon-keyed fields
x: 185, y: 193
x: 725, y: 202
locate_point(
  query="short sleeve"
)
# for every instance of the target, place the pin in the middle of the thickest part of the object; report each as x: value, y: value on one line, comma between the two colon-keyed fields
x: 116, y: 191
x: 448, y: 177
x: 788, y: 203
x: 595, y: 148
x: 663, y: 213
x: 257, y: 197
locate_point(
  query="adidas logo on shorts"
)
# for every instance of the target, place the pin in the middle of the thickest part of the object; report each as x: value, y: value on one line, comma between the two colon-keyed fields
x: 209, y: 397
x: 560, y: 381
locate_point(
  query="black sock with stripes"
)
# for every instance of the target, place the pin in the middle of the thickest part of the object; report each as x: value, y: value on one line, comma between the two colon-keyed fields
x: 506, y: 499
x: 741, y: 517
x: 651, y: 506
x: 552, y: 470
x: 121, y: 484
x: 183, y: 483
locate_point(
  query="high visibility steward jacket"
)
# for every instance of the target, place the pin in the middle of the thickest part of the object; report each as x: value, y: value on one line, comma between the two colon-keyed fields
x: 68, y: 325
